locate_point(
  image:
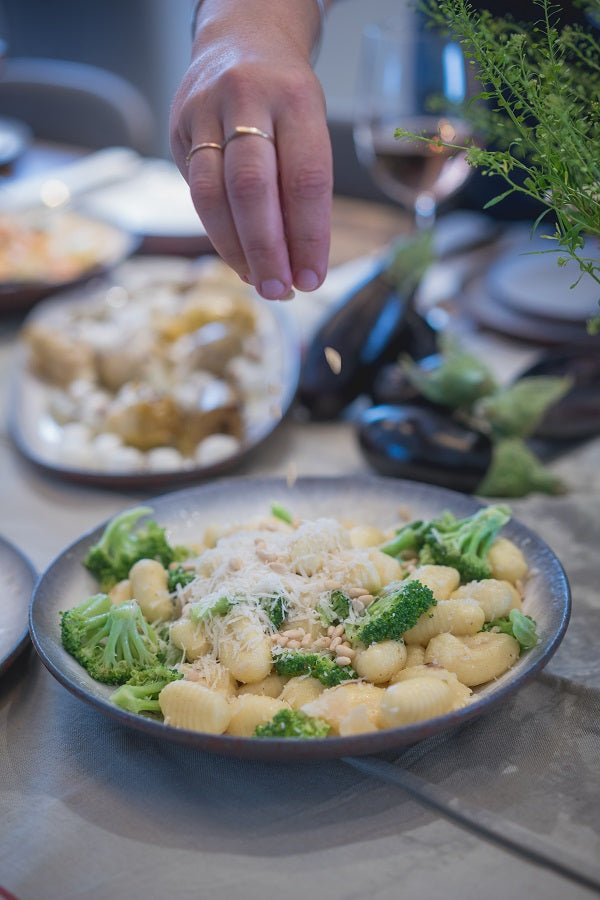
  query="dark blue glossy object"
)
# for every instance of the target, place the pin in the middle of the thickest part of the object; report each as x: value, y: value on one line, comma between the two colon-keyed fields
x: 371, y: 327
x: 421, y: 444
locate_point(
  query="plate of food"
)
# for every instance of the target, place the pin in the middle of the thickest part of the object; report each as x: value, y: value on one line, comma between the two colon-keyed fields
x: 170, y: 370
x: 45, y: 250
x: 17, y: 579
x: 329, y: 617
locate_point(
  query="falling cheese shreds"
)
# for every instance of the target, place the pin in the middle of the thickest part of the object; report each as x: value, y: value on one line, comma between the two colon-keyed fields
x: 334, y: 360
x: 298, y: 565
x: 292, y: 474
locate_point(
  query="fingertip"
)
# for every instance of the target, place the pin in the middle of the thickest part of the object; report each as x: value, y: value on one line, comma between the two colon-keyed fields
x: 307, y: 280
x: 273, y: 289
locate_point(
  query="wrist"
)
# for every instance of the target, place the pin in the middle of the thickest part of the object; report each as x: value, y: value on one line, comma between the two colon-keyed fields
x: 305, y: 18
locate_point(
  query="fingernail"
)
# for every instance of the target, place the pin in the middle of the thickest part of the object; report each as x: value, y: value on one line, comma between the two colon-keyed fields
x: 306, y: 280
x: 273, y: 289
x: 246, y: 278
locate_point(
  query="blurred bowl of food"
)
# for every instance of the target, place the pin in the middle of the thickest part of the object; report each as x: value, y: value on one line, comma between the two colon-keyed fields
x: 43, y: 251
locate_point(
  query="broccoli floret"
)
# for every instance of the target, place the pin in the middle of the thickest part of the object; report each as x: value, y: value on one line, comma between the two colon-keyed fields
x: 111, y: 642
x: 463, y: 544
x: 519, y: 626
x: 335, y: 609
x: 293, y: 723
x: 84, y: 620
x: 408, y: 540
x: 275, y: 608
x: 393, y: 612
x: 140, y: 693
x: 178, y: 576
x: 120, y: 546
x: 203, y: 610
x: 295, y: 662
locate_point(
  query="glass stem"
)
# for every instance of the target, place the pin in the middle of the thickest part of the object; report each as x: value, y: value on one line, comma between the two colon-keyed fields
x: 425, y: 210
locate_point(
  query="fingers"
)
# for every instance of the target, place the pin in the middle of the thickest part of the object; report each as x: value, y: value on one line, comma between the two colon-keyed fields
x: 306, y: 177
x: 207, y: 187
x: 251, y: 183
x: 265, y: 204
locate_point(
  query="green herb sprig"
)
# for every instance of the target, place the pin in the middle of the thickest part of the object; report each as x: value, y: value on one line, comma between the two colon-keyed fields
x: 541, y: 110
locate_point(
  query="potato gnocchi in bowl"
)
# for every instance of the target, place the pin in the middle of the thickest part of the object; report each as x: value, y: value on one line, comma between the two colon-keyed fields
x: 306, y: 621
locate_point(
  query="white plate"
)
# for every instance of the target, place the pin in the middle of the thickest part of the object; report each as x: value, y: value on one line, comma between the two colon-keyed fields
x: 17, y: 579
x: 529, y: 279
x: 154, y: 203
x: 37, y: 435
x: 375, y: 501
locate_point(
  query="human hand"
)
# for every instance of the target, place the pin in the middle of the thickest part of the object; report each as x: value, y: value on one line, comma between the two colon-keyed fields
x: 265, y: 204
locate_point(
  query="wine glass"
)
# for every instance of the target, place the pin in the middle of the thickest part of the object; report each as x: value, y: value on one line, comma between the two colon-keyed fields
x: 415, y: 81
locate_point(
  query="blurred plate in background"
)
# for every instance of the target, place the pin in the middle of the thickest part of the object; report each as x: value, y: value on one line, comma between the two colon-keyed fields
x: 17, y: 580
x: 529, y: 279
x: 489, y: 312
x: 154, y: 203
x: 168, y: 371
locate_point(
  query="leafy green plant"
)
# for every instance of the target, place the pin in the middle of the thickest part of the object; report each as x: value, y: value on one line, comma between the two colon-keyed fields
x: 540, y: 113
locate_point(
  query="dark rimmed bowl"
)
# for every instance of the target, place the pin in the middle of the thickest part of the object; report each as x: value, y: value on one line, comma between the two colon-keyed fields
x: 377, y: 501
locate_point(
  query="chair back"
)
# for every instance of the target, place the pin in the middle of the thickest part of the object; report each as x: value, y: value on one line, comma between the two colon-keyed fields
x: 76, y: 103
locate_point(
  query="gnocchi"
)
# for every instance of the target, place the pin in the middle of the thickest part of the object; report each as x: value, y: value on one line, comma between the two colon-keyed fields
x: 458, y: 615
x: 274, y: 621
x: 474, y: 659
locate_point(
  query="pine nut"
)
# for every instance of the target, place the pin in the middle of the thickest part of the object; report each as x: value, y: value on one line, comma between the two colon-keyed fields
x: 293, y: 645
x: 335, y: 642
x: 355, y: 591
x: 266, y: 555
x: 357, y: 605
x: 338, y: 630
x: 343, y: 660
x: 366, y: 599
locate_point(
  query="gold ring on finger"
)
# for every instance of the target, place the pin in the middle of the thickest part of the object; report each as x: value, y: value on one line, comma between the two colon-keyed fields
x: 242, y: 130
x: 205, y: 145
